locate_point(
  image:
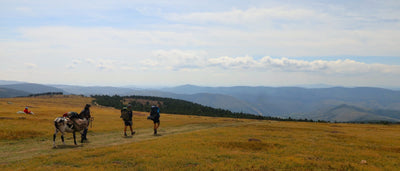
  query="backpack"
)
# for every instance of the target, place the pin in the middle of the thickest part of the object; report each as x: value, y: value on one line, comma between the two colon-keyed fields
x: 154, y: 113
x: 72, y: 115
x: 124, y: 115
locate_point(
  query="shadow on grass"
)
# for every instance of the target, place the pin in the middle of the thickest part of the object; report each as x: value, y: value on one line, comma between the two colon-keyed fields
x: 67, y: 146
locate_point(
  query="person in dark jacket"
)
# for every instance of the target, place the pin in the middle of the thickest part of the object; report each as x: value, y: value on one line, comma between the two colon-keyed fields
x: 85, y: 113
x: 155, y: 116
x: 128, y: 118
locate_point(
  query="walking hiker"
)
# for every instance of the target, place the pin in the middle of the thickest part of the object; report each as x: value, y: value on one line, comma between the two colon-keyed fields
x: 85, y: 113
x: 155, y: 116
x: 126, y: 115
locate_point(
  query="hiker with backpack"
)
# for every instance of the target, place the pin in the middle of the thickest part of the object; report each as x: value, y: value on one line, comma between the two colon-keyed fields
x: 126, y: 115
x: 85, y: 113
x: 155, y: 116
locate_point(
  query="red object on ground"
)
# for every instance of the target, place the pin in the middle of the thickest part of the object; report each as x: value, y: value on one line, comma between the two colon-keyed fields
x: 27, y: 111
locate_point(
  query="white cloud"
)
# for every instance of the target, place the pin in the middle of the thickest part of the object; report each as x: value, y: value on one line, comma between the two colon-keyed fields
x: 30, y: 65
x: 106, y: 65
x: 70, y: 66
x: 90, y: 61
x: 101, y: 64
x: 209, y: 38
x: 74, y: 64
x: 267, y: 63
x: 233, y: 63
x: 114, y: 42
x: 176, y: 59
x: 128, y: 68
x: 238, y: 16
x: 76, y: 61
x: 198, y: 61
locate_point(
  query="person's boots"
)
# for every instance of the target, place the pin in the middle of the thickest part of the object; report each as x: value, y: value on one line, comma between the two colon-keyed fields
x: 125, y: 134
x: 155, y: 131
x: 133, y: 132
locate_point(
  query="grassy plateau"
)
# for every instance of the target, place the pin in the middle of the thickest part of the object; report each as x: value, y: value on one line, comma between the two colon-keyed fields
x: 187, y: 142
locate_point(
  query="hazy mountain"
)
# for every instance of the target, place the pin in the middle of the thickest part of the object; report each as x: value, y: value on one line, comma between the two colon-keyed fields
x: 213, y: 100
x: 95, y: 90
x: 347, y: 113
x: 315, y: 86
x: 289, y: 101
x: 361, y: 103
x: 6, y: 82
x: 7, y: 92
x: 32, y: 88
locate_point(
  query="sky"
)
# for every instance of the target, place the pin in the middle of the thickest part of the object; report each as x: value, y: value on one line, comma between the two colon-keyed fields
x: 208, y: 43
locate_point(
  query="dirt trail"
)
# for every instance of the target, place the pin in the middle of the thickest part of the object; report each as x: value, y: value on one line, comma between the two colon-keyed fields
x: 25, y: 149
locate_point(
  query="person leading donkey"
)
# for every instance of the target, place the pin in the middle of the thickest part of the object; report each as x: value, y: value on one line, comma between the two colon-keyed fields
x: 85, y: 113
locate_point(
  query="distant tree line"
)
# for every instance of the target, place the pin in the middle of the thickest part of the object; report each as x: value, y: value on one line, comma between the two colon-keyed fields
x: 175, y: 106
x: 45, y: 94
x: 372, y: 122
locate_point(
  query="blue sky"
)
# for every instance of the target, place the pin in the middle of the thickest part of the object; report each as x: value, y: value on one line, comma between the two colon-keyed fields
x: 213, y: 43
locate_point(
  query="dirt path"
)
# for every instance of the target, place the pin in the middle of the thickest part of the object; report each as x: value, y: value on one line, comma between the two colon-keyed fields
x: 25, y: 149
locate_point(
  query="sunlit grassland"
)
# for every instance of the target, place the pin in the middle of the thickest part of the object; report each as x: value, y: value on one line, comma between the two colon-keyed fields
x: 224, y: 145
x: 18, y: 126
x: 282, y: 145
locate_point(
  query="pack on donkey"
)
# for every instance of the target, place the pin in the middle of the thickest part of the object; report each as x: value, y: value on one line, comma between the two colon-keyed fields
x: 71, y: 122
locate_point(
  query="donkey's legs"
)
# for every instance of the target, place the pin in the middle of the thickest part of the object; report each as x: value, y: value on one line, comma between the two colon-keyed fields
x: 62, y: 137
x: 73, y: 133
x: 82, y: 136
x: 54, y: 138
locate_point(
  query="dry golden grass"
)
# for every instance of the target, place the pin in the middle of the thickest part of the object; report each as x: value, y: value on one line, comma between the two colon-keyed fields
x: 200, y: 143
x: 47, y: 108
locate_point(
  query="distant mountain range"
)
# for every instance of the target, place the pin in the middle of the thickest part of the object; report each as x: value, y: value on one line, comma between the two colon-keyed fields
x: 8, y: 92
x: 220, y: 101
x: 31, y: 88
x: 6, y: 82
x: 282, y: 100
x: 332, y: 103
x: 347, y: 113
x: 95, y: 90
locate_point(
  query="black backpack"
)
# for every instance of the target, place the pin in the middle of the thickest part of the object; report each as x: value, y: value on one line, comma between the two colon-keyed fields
x: 154, y: 113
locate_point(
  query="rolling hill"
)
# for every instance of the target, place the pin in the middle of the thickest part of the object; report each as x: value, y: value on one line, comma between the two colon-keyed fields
x: 32, y: 88
x: 294, y: 102
x: 213, y: 100
x: 347, y: 113
x: 95, y: 90
x: 7, y: 82
x: 8, y: 92
x: 302, y: 102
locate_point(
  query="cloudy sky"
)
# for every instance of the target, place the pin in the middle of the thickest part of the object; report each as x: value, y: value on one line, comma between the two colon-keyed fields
x: 210, y: 43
